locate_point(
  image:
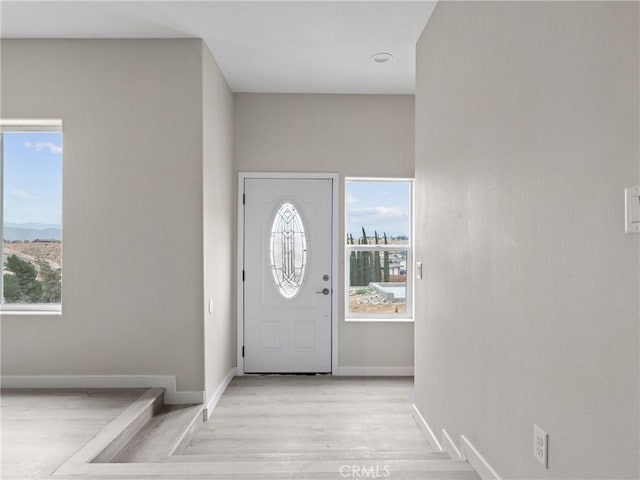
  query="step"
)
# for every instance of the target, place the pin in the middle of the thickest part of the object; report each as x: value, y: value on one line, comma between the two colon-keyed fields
x: 166, y: 433
x: 320, y: 469
x: 106, y: 444
x: 306, y: 456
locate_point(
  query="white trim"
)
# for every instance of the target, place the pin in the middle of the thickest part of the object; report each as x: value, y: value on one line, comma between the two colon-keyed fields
x: 408, y: 247
x: 335, y: 255
x: 2, y: 211
x: 30, y: 125
x: 381, y: 247
x: 384, y: 319
x: 450, y: 447
x: 33, y: 313
x: 239, y: 281
x: 477, y: 461
x: 30, y: 308
x: 375, y: 371
x: 217, y: 395
x: 24, y: 125
x: 426, y: 429
x: 168, y: 382
x: 335, y: 177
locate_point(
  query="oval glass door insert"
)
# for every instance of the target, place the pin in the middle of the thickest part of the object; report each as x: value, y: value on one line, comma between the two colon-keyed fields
x: 288, y: 248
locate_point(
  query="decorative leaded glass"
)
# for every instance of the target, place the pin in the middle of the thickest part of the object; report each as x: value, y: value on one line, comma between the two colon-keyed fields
x: 288, y: 250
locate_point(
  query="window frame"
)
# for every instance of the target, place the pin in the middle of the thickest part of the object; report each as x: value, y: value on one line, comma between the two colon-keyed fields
x: 408, y: 315
x: 26, y: 126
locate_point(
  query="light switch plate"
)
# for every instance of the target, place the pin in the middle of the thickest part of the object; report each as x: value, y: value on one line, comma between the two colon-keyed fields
x: 632, y: 209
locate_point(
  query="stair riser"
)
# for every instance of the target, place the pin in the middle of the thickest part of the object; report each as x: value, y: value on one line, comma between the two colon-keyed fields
x: 130, y: 431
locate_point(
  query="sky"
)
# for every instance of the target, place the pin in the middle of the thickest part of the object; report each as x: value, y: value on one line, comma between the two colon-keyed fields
x: 32, y: 177
x: 384, y: 206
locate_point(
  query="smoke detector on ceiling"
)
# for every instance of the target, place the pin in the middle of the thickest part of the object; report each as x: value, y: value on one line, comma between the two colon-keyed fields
x: 381, y: 57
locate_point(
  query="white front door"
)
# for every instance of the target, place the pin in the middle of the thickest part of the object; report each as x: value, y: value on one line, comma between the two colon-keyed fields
x: 287, y: 275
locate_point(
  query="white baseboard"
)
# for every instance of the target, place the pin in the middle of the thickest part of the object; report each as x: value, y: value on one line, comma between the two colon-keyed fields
x: 450, y: 447
x: 426, y: 430
x: 168, y: 382
x: 375, y: 371
x: 217, y: 395
x: 477, y: 461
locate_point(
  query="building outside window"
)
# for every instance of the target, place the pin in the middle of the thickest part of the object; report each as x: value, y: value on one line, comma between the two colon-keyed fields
x: 378, y: 249
x: 31, y: 215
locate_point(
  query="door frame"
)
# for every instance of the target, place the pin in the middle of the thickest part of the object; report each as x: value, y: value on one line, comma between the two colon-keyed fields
x: 335, y: 253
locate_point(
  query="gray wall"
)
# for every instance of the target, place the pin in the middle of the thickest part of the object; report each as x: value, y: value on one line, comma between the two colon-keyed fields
x: 353, y: 135
x: 527, y: 134
x: 133, y: 120
x: 219, y: 221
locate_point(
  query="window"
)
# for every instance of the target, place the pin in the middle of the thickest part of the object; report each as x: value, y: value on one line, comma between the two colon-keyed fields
x: 288, y: 250
x: 378, y: 255
x: 31, y: 215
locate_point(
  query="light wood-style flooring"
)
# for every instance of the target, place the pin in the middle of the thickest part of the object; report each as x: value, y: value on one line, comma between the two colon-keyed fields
x: 264, y: 428
x: 41, y: 429
x: 290, y: 416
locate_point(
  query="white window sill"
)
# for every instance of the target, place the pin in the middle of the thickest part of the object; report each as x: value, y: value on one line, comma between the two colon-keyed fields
x: 378, y: 320
x: 31, y: 312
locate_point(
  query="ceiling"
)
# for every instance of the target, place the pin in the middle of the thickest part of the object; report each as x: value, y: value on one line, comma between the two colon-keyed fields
x: 287, y: 46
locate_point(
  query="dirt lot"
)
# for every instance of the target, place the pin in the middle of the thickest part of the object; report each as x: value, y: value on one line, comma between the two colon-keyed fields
x: 362, y: 304
x: 31, y: 251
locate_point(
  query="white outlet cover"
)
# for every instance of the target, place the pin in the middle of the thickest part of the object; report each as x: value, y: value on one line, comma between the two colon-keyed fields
x: 540, y: 446
x: 632, y: 209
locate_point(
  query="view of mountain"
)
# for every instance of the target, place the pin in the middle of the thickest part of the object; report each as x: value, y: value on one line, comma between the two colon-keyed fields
x: 31, y: 231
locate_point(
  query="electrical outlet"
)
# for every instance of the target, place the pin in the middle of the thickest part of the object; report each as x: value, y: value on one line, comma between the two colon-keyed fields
x: 632, y: 209
x: 540, y: 445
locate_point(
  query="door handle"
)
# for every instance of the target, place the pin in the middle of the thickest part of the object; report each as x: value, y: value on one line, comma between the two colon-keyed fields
x: 324, y: 291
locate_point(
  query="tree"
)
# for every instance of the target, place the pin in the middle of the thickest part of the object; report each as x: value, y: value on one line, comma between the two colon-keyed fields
x: 365, y: 259
x: 25, y: 288
x: 377, y: 268
x: 366, y: 266
x: 386, y: 260
x: 51, y: 282
x: 369, y: 267
x: 353, y: 264
x: 11, y: 288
